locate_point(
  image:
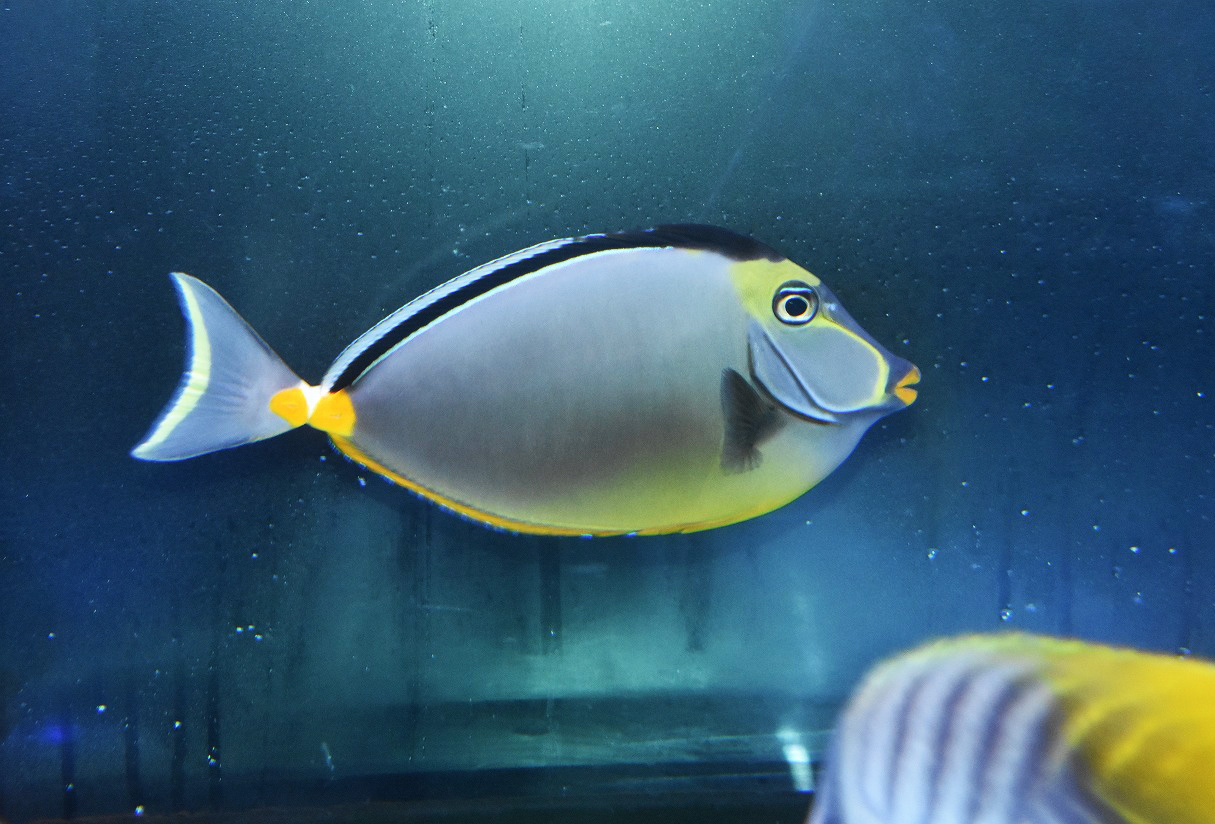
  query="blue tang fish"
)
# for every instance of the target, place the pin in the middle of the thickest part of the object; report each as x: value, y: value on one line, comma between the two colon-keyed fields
x: 658, y: 381
x: 1023, y: 729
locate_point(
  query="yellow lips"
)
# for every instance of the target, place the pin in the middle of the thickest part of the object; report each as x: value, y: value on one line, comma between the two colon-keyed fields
x: 903, y: 390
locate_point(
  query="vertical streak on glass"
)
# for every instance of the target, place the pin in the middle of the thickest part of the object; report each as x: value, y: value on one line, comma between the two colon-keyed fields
x: 177, y: 733
x: 1188, y: 634
x: 419, y: 536
x: 1069, y: 545
x: 3, y: 771
x: 215, y: 790
x: 67, y: 755
x: 523, y: 81
x: 694, y: 598
x: 130, y: 730
x: 1066, y: 588
x: 1005, y: 566
x: 432, y: 37
x: 1005, y: 579
x: 549, y: 556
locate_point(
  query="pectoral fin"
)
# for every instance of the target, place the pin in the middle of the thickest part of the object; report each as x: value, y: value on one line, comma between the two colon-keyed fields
x: 750, y: 420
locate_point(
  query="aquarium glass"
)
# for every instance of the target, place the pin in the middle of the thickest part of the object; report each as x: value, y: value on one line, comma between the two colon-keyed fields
x: 1017, y: 197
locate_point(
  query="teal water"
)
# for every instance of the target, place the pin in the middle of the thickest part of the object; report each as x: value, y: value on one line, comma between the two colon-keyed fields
x: 1017, y: 198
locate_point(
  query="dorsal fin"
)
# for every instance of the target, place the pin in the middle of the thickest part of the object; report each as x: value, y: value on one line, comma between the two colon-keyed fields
x: 426, y: 309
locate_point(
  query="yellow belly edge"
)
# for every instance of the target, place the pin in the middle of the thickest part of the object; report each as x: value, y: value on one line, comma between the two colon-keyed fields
x: 355, y: 454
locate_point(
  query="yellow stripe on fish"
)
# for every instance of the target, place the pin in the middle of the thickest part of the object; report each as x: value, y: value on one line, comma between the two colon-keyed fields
x: 669, y: 380
x: 1024, y: 729
x: 1145, y: 725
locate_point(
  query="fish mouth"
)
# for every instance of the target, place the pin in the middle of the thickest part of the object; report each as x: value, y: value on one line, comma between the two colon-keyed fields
x: 902, y: 388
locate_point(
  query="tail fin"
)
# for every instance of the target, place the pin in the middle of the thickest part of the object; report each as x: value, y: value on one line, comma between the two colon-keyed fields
x: 230, y: 377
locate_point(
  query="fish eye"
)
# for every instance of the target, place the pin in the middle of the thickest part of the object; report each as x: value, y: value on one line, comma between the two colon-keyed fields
x: 795, y: 303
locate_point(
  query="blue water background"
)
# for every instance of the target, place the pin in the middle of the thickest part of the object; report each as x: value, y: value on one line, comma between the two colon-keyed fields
x: 1018, y: 197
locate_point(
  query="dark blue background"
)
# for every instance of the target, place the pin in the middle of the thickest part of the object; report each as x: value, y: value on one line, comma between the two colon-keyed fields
x: 1017, y: 197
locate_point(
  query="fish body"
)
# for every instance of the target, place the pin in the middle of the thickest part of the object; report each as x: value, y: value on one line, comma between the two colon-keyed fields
x: 643, y: 382
x: 1023, y: 729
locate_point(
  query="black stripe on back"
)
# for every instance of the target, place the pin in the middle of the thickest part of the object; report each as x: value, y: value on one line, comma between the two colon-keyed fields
x: 1034, y: 760
x: 908, y: 702
x: 682, y: 236
x: 945, y: 733
x: 993, y: 718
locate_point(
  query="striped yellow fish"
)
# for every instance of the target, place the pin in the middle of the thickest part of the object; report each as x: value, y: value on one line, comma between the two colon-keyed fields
x: 668, y: 380
x: 1023, y: 729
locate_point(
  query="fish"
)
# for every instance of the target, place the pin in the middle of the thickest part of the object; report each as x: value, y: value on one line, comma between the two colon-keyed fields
x: 657, y: 381
x: 1025, y: 729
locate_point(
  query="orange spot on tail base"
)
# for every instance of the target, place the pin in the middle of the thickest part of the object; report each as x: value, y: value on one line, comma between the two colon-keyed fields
x: 291, y: 406
x: 903, y: 390
x: 334, y: 414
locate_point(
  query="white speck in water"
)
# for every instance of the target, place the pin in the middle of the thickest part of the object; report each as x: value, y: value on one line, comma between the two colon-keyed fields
x: 100, y: 709
x: 1006, y: 614
x: 932, y: 553
x: 362, y: 481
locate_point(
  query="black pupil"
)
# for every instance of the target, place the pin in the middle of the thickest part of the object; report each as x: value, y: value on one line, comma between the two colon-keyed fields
x: 796, y: 306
